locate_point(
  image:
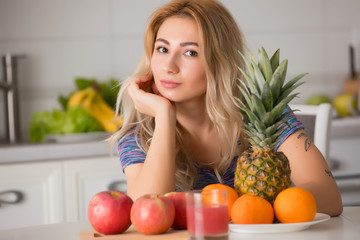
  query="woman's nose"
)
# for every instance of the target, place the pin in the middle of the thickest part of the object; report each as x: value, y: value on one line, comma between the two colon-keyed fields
x: 171, y: 65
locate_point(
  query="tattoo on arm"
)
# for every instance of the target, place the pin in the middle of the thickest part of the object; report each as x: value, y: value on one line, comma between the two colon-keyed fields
x: 328, y: 172
x: 301, y: 135
x: 307, y: 141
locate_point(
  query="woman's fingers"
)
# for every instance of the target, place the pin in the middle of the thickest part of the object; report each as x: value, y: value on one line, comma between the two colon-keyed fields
x: 132, y: 89
x: 144, y: 83
x: 145, y: 101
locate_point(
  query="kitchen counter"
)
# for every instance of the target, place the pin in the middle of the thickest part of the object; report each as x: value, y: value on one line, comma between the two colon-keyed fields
x: 52, y: 151
x: 344, y: 227
x: 345, y: 127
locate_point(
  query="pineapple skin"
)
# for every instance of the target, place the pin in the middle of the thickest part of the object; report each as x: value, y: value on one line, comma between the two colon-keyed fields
x: 263, y: 173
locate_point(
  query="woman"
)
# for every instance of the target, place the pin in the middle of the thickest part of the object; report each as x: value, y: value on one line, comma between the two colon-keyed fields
x: 182, y: 128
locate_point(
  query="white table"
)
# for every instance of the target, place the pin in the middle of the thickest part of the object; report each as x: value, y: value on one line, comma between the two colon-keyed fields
x: 344, y: 227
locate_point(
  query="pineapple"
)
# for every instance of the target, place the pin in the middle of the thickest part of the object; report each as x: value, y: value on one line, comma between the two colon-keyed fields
x: 261, y: 170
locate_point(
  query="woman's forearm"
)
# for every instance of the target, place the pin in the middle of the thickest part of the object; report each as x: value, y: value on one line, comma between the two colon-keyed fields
x: 157, y: 173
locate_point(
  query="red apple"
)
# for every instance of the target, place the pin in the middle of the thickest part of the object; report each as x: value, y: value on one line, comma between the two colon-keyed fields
x: 152, y: 214
x: 109, y: 212
x: 179, y: 201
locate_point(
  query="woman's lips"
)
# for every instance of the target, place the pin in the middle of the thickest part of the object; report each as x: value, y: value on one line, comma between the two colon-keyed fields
x: 169, y: 84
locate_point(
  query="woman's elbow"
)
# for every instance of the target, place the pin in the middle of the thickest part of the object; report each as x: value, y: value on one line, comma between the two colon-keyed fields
x: 333, y: 207
x: 336, y: 210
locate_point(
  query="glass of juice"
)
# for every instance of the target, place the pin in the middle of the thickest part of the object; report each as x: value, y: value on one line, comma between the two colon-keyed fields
x: 207, y: 214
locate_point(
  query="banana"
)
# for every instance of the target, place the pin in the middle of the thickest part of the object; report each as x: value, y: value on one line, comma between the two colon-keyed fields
x: 91, y: 100
x: 106, y: 115
x: 101, y: 111
x: 88, y: 101
x: 106, y: 109
x: 105, y: 119
x: 79, y: 96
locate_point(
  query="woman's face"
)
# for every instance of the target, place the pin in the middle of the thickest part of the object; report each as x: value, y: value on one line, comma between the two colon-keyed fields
x: 176, y: 64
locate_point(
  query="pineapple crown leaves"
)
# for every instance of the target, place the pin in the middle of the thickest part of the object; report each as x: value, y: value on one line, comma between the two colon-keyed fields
x: 266, y: 95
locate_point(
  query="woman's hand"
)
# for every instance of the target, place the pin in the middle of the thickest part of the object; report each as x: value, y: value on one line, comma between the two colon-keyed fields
x: 145, y: 102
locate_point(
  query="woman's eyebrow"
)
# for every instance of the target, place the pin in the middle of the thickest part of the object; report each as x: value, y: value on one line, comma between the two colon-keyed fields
x: 183, y: 44
x: 162, y: 40
x: 189, y: 43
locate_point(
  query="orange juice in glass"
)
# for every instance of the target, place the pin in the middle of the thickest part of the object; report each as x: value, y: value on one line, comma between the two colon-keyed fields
x: 207, y: 214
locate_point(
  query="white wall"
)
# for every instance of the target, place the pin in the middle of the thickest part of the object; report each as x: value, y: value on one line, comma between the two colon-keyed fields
x: 64, y: 39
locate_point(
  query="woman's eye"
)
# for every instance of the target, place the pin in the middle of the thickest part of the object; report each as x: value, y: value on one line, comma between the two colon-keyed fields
x: 191, y: 53
x: 161, y: 49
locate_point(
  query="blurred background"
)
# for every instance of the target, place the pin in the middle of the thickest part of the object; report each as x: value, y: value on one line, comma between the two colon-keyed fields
x: 102, y: 39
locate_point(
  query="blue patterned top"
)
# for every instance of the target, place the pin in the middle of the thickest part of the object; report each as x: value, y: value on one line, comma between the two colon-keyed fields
x: 130, y: 153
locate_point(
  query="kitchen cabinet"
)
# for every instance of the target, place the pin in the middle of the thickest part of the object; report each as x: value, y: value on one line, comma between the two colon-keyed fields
x: 344, y: 156
x: 84, y: 178
x: 55, y: 191
x: 345, y: 152
x: 42, y: 189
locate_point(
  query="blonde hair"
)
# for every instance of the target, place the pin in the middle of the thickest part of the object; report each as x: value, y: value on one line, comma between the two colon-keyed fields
x: 221, y: 40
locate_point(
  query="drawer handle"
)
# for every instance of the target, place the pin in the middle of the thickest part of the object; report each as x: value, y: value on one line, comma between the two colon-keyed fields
x: 17, y: 195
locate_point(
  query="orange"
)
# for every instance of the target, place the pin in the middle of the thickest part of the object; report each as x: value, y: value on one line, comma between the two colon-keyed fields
x: 294, y: 205
x: 232, y: 195
x: 250, y: 209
